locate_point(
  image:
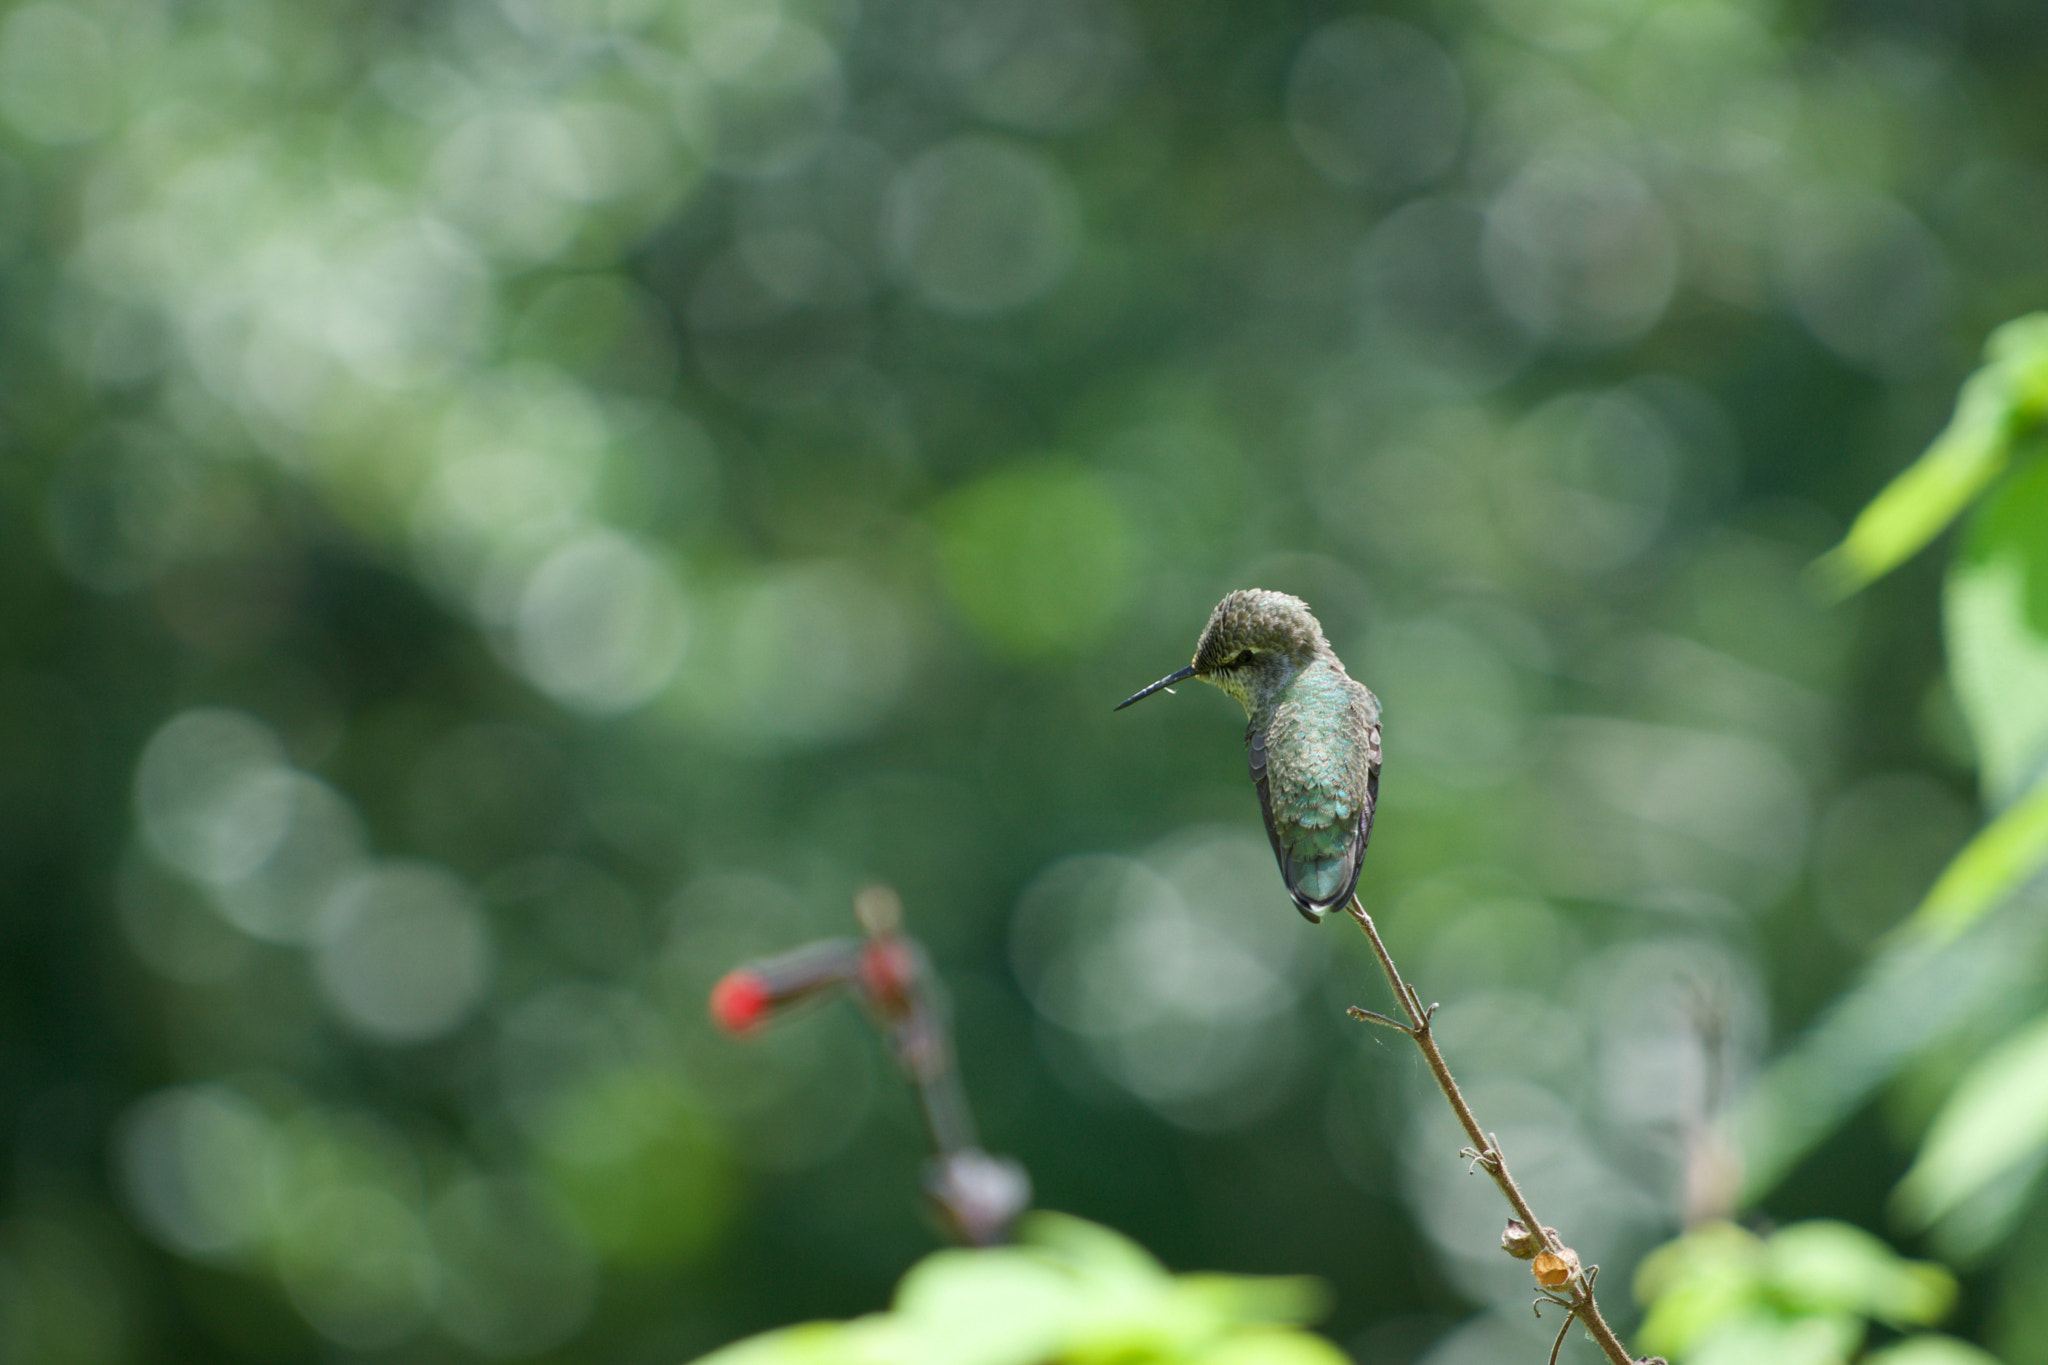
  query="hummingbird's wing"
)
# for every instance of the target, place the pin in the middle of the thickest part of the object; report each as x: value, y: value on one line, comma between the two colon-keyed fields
x: 1318, y: 849
x: 1255, y: 752
x: 1372, y: 781
x: 1311, y: 910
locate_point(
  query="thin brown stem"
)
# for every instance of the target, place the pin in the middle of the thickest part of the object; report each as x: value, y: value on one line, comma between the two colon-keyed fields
x: 1578, y: 1298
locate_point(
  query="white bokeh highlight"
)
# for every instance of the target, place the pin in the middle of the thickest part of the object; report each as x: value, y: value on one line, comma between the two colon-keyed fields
x: 403, y: 953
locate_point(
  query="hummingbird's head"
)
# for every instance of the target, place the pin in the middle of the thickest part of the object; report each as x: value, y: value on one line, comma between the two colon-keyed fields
x: 1254, y: 643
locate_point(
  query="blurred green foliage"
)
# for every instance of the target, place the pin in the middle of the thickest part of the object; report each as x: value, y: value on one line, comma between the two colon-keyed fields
x: 512, y: 508
x: 1069, y: 1291
x: 2001, y: 405
x: 1988, y: 1139
x: 1805, y: 1294
x: 1996, y: 606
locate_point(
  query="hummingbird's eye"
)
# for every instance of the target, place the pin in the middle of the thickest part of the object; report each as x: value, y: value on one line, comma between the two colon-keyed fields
x: 1239, y: 659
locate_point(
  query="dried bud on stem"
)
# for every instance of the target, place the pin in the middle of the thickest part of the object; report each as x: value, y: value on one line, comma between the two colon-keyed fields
x: 889, y: 970
x: 977, y: 1195
x: 1517, y: 1241
x: 1555, y: 1269
x: 879, y: 910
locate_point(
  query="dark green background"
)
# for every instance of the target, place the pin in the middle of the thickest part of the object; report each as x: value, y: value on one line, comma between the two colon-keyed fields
x: 513, y: 508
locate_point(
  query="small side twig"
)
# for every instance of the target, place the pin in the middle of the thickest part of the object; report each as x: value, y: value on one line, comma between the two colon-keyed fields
x: 1562, y: 1333
x: 1555, y: 1265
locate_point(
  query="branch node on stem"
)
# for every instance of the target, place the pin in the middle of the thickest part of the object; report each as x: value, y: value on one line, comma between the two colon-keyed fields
x: 1368, y: 1017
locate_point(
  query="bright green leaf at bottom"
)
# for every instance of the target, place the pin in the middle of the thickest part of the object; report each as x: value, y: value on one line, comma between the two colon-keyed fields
x: 1931, y: 1350
x: 1772, y: 1341
x: 1829, y: 1267
x: 1710, y: 1276
x: 1722, y: 1294
x: 1070, y: 1293
x: 1272, y: 1346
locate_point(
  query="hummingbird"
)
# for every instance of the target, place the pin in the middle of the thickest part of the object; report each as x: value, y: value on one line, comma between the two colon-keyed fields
x: 1312, y: 736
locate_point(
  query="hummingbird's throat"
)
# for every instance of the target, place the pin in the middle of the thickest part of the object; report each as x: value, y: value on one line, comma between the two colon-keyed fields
x: 1233, y: 683
x: 1257, y: 685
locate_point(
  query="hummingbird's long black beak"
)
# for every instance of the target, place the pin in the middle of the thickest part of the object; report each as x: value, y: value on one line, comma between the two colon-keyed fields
x: 1167, y: 681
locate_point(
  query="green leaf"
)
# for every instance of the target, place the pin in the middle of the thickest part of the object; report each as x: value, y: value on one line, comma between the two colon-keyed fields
x: 2003, y: 855
x: 1265, y: 1298
x: 988, y: 1308
x: 1823, y: 1267
x: 1272, y: 1347
x: 1996, y: 1118
x: 1722, y: 1294
x: 1996, y: 616
x: 2021, y: 346
x: 1092, y: 1251
x: 1070, y: 1292
x: 1995, y: 611
x: 807, y: 1343
x: 1931, y: 1349
x: 2002, y: 400
x: 1805, y: 1341
x: 1698, y: 1284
